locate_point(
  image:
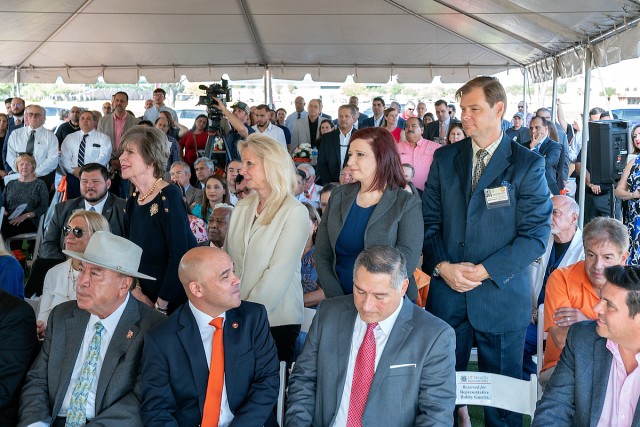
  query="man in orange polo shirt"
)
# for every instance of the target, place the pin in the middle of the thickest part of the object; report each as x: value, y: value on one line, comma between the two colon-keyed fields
x: 573, y: 291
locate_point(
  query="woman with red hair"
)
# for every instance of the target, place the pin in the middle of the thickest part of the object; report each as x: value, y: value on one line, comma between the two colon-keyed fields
x: 373, y: 210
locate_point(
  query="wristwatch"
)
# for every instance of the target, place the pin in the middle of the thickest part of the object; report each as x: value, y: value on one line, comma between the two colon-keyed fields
x: 436, y: 269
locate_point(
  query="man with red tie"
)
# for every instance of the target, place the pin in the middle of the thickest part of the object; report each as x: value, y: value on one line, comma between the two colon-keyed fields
x: 213, y: 363
x: 373, y: 358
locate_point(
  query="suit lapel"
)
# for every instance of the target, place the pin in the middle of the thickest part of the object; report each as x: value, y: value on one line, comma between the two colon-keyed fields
x: 188, y: 335
x: 348, y: 198
x: 386, y: 202
x: 75, y: 327
x: 602, y: 359
x: 108, y: 207
x: 401, y: 330
x: 232, y: 339
x: 343, y: 347
x: 463, y: 165
x: 126, y: 331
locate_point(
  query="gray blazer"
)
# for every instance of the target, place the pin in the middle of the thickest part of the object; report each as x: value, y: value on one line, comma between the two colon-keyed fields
x: 414, y: 383
x: 192, y: 195
x: 105, y: 125
x: 576, y: 391
x: 53, y: 240
x: 300, y: 134
x: 117, y: 400
x: 396, y: 221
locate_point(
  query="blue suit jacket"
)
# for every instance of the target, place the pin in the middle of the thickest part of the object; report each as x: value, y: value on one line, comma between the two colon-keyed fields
x: 175, y: 371
x: 576, y: 391
x: 552, y: 153
x: 505, y: 240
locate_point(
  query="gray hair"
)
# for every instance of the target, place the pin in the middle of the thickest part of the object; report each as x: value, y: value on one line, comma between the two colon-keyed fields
x: 187, y: 169
x: 308, y: 169
x: 602, y: 229
x: 152, y: 146
x: 222, y: 206
x: 207, y: 161
x: 382, y: 259
x: 573, y: 206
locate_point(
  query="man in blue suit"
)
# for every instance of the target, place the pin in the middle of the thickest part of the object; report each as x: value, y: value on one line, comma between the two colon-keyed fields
x: 594, y: 382
x: 177, y: 356
x: 486, y: 210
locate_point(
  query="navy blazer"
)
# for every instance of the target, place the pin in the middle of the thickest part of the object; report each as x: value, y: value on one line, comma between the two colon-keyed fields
x: 505, y: 240
x: 329, y: 162
x: 175, y: 371
x: 395, y: 221
x: 576, y: 391
x: 552, y: 153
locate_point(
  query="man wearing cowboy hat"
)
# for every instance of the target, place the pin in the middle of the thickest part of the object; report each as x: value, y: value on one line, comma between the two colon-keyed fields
x: 89, y: 364
x: 214, y: 336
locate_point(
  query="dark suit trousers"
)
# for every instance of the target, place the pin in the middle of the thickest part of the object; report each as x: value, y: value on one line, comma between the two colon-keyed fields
x: 499, y: 353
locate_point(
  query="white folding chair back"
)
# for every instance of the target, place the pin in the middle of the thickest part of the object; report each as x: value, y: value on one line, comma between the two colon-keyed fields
x: 497, y: 391
x: 541, y: 337
x: 281, y: 393
x: 1, y: 216
x: 309, y: 313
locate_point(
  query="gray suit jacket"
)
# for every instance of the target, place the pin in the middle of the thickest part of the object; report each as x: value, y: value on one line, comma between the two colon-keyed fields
x: 396, y: 221
x: 117, y: 397
x: 576, y: 391
x: 105, y: 125
x: 53, y: 240
x: 193, y: 195
x: 414, y: 383
x: 300, y: 134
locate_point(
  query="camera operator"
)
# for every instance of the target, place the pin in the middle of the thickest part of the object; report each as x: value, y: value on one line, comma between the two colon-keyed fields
x: 238, y: 121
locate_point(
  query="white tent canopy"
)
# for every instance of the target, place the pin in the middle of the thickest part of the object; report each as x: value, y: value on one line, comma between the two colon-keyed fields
x: 121, y: 40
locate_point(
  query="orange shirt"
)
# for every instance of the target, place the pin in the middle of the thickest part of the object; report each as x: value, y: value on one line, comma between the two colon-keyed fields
x: 566, y: 287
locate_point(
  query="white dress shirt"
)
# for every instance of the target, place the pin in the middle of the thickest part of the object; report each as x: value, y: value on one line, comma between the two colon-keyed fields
x: 381, y: 333
x: 98, y: 207
x: 110, y: 323
x: 274, y: 132
x: 45, y: 148
x: 344, y: 145
x: 97, y: 149
x: 206, y: 333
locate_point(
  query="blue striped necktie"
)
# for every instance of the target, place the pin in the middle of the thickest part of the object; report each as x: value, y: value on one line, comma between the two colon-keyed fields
x: 83, y: 147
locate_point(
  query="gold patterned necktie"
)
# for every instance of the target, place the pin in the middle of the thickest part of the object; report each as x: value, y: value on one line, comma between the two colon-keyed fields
x: 478, y: 170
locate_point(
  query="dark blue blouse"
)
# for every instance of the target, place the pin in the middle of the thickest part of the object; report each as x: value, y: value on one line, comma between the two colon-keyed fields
x: 350, y: 243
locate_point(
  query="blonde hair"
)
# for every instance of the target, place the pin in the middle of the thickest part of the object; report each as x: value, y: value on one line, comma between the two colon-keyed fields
x: 27, y: 157
x: 279, y: 170
x: 95, y: 221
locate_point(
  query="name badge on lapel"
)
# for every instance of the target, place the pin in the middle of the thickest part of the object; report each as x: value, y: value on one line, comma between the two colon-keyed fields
x: 497, y: 197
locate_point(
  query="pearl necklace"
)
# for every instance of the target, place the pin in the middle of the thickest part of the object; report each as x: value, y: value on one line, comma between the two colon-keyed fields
x: 153, y: 187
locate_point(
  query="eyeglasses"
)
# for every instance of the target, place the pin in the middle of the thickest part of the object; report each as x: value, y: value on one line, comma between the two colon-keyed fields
x: 246, y: 192
x: 77, y: 231
x: 410, y: 109
x: 34, y: 115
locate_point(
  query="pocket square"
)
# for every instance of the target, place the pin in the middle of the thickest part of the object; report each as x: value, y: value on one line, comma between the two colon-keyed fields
x: 405, y: 365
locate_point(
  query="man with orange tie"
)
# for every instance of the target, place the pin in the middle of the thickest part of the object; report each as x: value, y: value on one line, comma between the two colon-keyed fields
x: 373, y: 358
x: 213, y: 363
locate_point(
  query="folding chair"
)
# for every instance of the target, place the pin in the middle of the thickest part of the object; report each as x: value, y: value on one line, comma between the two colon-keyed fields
x: 281, y: 393
x: 497, y: 391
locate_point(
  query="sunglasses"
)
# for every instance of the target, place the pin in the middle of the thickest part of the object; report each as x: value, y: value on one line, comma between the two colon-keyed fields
x: 77, y: 231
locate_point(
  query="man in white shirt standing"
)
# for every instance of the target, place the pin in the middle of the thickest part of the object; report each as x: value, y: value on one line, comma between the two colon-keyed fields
x: 263, y: 125
x: 89, y: 364
x: 390, y: 362
x: 79, y: 148
x: 35, y: 139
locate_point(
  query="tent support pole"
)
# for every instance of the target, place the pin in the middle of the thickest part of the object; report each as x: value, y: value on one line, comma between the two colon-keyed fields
x: 268, y: 87
x: 16, y: 82
x: 525, y: 89
x: 554, y: 93
x: 585, y: 132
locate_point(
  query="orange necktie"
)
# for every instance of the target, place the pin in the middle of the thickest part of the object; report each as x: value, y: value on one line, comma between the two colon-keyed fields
x: 216, y: 378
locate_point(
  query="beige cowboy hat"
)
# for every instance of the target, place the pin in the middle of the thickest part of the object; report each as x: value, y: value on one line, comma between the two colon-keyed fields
x: 112, y: 252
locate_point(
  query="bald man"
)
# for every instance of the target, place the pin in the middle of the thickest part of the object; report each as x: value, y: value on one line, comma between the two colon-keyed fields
x: 177, y: 356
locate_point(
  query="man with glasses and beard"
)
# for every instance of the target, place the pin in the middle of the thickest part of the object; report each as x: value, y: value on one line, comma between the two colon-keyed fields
x: 94, y: 196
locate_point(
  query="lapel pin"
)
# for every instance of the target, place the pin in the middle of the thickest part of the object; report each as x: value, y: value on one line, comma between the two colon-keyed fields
x: 234, y: 325
x: 129, y: 334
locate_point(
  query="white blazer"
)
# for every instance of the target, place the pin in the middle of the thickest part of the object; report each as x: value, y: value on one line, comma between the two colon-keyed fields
x: 267, y: 258
x: 537, y: 268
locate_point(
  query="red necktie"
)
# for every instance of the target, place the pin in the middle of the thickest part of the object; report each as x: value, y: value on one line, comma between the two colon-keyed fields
x: 362, y: 377
x: 213, y: 399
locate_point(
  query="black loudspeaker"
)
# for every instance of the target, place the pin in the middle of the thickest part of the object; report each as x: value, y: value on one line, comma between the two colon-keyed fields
x: 608, y: 148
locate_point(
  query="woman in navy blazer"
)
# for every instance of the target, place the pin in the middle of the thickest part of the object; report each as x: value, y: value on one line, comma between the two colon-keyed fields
x: 374, y: 210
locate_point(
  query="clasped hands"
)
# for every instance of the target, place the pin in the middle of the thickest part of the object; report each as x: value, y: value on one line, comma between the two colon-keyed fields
x: 567, y: 316
x: 464, y: 276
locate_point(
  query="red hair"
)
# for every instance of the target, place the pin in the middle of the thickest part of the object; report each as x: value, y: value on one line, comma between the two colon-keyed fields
x: 389, y: 171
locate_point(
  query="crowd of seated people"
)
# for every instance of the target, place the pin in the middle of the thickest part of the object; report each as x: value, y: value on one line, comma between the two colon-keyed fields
x: 167, y: 290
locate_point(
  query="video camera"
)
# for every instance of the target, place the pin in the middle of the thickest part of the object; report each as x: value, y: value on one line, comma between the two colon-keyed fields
x: 215, y: 92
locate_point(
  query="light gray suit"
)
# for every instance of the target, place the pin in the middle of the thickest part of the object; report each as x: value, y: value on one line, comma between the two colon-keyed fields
x: 105, y: 125
x: 300, y: 133
x: 117, y: 400
x: 575, y: 394
x: 414, y: 383
x: 193, y: 195
x: 396, y: 221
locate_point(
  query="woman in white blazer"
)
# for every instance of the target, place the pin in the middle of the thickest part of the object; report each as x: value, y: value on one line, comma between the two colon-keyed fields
x: 267, y: 234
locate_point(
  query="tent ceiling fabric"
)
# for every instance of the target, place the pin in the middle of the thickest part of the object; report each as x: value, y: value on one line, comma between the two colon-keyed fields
x: 416, y: 40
